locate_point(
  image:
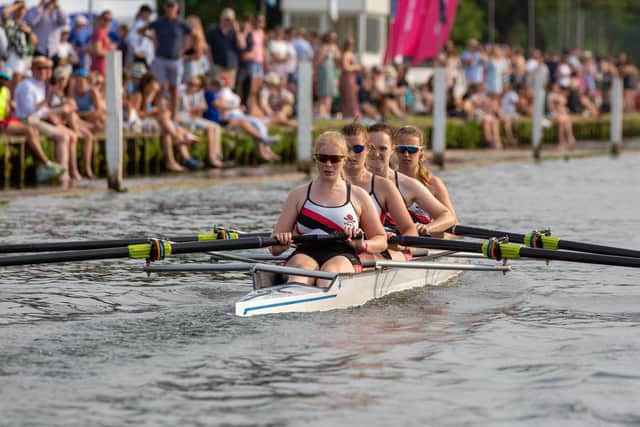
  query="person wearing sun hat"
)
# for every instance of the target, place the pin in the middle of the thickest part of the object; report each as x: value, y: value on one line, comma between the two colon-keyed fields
x: 32, y: 110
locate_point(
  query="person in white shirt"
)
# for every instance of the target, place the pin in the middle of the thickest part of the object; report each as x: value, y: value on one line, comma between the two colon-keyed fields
x: 229, y: 105
x: 32, y: 102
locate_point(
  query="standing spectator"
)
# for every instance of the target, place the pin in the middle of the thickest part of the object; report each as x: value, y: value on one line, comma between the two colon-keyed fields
x: 66, y: 56
x: 292, y: 59
x: 226, y: 42
x: 169, y: 33
x: 140, y: 48
x: 243, y: 80
x: 257, y: 63
x: 31, y: 109
x: 348, y: 86
x: 46, y: 19
x: 100, y: 43
x: 473, y: 63
x: 195, y: 51
x: 325, y: 64
x: 629, y: 73
x: 279, y: 54
x: 497, y: 71
x: 80, y: 39
x: 18, y: 37
x: 303, y: 49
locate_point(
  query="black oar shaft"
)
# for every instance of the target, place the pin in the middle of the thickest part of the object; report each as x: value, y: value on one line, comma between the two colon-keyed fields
x: 522, y: 251
x: 463, y: 230
x: 176, y: 248
x: 97, y: 244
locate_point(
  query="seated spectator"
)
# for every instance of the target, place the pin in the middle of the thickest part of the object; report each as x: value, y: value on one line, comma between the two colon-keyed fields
x: 31, y: 109
x: 578, y: 101
x: 384, y: 94
x: 479, y: 107
x: 228, y: 103
x: 559, y: 114
x: 368, y: 106
x: 508, y: 112
x: 58, y: 98
x: 192, y: 106
x: 9, y: 124
x: 276, y: 102
x: 88, y: 99
x: 19, y: 36
x: 148, y: 110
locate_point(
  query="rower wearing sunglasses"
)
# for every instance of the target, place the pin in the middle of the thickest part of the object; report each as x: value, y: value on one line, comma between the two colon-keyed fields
x: 410, y: 152
x: 326, y: 205
x: 435, y: 214
x: 385, y: 196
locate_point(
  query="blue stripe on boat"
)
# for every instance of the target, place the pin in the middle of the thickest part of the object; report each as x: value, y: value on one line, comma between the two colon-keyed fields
x: 248, y: 309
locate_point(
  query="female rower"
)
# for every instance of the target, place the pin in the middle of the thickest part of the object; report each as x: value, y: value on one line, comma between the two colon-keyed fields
x: 410, y: 151
x: 329, y: 204
x: 385, y: 196
x: 439, y: 218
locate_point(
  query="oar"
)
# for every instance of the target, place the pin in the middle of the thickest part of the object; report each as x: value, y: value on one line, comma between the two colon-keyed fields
x: 493, y: 249
x: 118, y: 243
x: 157, y: 249
x: 537, y: 239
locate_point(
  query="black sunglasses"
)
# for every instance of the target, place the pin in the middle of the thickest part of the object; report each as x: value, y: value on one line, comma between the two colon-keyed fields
x: 411, y: 149
x: 358, y: 148
x: 331, y: 158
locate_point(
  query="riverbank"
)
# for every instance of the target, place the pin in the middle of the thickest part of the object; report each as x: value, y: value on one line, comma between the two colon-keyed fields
x: 454, y: 158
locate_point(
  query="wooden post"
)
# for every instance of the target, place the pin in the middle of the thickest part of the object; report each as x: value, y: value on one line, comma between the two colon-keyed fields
x: 538, y: 112
x: 305, y: 115
x: 114, y: 133
x: 439, y: 130
x: 615, y: 129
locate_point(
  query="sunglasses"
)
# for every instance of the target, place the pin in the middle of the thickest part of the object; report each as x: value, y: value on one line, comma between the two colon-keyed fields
x: 331, y: 158
x: 356, y: 148
x: 411, y: 149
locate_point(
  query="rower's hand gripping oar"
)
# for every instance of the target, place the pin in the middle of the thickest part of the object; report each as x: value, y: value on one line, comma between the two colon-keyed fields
x: 219, y: 233
x: 158, y: 249
x: 543, y: 240
x: 496, y: 250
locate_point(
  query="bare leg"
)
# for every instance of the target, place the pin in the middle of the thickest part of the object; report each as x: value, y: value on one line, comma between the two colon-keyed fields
x: 170, y: 161
x: 213, y: 147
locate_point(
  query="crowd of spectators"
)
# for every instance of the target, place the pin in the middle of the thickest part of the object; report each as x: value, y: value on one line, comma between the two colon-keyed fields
x: 186, y: 83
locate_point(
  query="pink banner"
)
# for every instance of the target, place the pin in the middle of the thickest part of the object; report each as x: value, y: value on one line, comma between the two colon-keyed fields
x: 436, y: 29
x: 405, y: 27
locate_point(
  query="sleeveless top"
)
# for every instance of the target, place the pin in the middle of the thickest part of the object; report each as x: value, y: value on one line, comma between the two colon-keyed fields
x: 417, y: 213
x: 376, y: 203
x: 83, y: 101
x: 317, y: 219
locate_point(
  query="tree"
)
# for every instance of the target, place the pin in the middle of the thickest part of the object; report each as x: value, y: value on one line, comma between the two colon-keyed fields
x: 470, y: 23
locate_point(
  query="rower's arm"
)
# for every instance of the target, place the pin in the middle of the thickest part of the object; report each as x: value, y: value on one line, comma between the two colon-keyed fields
x: 376, y: 241
x: 394, y: 204
x: 442, y: 194
x: 443, y: 219
x: 287, y: 220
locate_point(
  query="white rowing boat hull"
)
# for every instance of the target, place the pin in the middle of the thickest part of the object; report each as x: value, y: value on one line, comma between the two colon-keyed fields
x: 347, y: 290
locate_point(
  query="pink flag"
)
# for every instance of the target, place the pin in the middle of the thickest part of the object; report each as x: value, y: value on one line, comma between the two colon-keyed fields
x: 437, y: 24
x: 405, y: 27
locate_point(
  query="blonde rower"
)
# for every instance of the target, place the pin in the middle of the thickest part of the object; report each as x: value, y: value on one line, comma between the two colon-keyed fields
x: 415, y: 194
x: 325, y: 205
x: 410, y: 152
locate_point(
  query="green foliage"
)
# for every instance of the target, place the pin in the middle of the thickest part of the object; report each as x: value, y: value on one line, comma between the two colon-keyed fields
x: 470, y: 23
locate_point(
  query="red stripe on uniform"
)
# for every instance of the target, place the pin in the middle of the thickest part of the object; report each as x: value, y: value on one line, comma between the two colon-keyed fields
x: 321, y: 219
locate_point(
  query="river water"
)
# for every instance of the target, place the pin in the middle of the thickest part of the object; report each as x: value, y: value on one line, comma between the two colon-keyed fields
x: 99, y: 343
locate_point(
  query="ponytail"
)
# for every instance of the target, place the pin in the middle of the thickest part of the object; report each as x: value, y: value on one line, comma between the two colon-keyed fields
x: 424, y: 175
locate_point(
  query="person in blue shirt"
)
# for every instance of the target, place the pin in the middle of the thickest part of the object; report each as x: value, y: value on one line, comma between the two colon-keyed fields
x: 80, y: 38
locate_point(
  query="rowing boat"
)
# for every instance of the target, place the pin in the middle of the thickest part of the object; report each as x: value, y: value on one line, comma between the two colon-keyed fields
x: 349, y: 289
